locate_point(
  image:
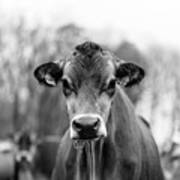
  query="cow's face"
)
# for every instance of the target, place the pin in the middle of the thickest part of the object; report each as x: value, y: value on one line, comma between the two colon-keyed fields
x: 89, y: 79
x: 26, y: 148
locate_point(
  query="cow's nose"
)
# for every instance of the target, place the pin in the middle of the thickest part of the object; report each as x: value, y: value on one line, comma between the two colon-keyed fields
x: 78, y: 126
x: 86, y: 127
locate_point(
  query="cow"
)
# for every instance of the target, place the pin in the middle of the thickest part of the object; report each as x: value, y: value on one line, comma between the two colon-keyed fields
x: 24, y: 156
x: 105, y: 140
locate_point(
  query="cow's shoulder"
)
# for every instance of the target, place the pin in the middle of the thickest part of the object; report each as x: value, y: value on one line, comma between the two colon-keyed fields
x: 149, y: 152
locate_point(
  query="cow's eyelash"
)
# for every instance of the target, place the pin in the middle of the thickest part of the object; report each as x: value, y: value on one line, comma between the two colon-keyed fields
x: 112, y: 84
x: 109, y: 87
x: 68, y: 88
x: 66, y: 83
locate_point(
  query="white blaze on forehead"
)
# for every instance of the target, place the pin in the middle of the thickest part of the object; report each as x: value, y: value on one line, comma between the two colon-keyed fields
x: 102, y: 128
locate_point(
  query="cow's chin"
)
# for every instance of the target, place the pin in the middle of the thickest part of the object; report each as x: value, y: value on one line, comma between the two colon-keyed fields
x: 78, y: 144
x: 81, y: 143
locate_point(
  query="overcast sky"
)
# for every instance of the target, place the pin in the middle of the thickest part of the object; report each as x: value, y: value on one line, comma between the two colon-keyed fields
x: 142, y: 20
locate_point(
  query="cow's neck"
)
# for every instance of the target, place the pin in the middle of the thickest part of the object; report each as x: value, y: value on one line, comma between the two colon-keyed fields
x: 86, y: 163
x: 122, y: 123
x: 93, y: 160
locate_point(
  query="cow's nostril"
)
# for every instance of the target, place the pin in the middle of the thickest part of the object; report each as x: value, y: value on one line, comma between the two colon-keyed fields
x: 96, y: 124
x: 77, y: 126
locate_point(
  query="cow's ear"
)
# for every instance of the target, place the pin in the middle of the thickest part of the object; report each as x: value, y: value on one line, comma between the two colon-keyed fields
x: 48, y: 74
x: 129, y: 74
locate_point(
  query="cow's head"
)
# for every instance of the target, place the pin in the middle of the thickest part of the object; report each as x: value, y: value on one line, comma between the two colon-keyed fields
x: 89, y: 78
x: 26, y: 148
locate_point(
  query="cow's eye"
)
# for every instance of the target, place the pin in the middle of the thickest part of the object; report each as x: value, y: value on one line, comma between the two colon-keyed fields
x: 110, y: 89
x: 67, y: 87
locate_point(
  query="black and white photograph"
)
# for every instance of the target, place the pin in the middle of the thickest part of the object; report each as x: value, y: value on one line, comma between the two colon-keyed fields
x: 89, y: 90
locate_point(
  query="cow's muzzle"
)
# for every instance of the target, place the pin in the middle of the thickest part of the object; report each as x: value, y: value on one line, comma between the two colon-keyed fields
x: 87, y: 127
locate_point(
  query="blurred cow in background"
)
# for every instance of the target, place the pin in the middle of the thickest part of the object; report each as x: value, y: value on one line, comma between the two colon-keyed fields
x: 24, y: 156
x: 35, y: 156
x: 17, y: 156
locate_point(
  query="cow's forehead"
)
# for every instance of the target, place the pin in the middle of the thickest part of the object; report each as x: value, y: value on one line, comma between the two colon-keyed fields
x: 81, y: 67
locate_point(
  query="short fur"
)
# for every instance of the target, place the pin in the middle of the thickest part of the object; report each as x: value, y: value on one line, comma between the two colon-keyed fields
x: 129, y: 151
